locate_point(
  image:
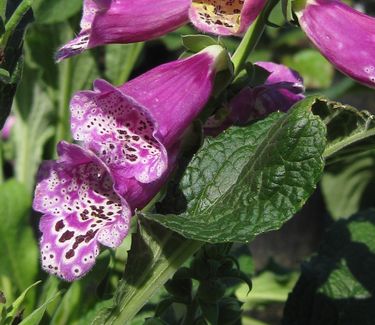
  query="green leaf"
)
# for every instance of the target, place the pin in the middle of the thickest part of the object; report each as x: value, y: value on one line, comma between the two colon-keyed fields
x: 355, y: 179
x: 120, y: 60
x: 337, y: 286
x: 345, y: 126
x: 32, y: 128
x: 50, y: 12
x: 196, y: 43
x: 15, y: 307
x: 316, y: 71
x: 19, y: 254
x: 156, y: 254
x: 250, y: 180
x: 36, y: 316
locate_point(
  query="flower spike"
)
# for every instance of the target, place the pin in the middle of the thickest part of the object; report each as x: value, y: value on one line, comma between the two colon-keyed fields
x: 343, y: 35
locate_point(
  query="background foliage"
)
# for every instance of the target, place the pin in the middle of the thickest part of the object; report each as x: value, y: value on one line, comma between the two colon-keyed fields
x: 320, y: 146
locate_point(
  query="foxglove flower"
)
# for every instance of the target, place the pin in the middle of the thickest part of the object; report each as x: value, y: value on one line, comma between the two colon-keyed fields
x: 227, y: 17
x: 343, y: 35
x: 130, y: 141
x: 132, y: 127
x: 281, y: 90
x: 127, y: 21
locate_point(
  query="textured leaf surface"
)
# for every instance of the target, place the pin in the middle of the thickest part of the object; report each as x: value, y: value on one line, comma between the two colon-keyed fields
x: 251, y: 180
x: 337, y: 286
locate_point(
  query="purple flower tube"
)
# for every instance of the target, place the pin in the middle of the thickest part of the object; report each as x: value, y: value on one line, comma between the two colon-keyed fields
x: 127, y: 21
x: 343, y: 35
x: 129, y: 139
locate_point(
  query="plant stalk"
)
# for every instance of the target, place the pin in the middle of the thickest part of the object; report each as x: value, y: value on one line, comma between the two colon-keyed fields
x: 252, y: 37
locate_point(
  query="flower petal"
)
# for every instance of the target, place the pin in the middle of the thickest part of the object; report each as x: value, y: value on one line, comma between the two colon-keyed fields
x: 120, y: 131
x: 175, y: 93
x: 343, y: 35
x: 125, y: 21
x: 224, y: 17
x: 81, y: 210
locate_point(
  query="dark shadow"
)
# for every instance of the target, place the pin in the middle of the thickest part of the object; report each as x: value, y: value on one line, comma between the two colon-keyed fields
x: 308, y: 305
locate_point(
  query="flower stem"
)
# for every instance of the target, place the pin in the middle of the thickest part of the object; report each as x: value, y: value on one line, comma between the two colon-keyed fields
x: 66, y: 78
x: 251, y: 38
x: 14, y: 20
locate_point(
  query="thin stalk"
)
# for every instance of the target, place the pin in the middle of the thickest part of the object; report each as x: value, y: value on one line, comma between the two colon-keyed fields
x: 251, y: 38
x: 14, y: 20
x: 66, y: 79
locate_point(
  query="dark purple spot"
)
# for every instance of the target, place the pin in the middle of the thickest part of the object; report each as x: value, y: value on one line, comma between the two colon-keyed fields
x: 66, y: 236
x: 59, y: 225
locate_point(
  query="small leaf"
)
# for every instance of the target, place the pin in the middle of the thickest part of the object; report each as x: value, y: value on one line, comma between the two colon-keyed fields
x: 15, y: 307
x: 196, y: 43
x: 36, y: 316
x: 251, y: 180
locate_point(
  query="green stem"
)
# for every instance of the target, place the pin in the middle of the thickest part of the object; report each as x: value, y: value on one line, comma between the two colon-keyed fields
x: 66, y: 78
x: 1, y: 163
x: 141, y: 292
x: 336, y: 147
x: 14, y: 20
x: 251, y: 38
